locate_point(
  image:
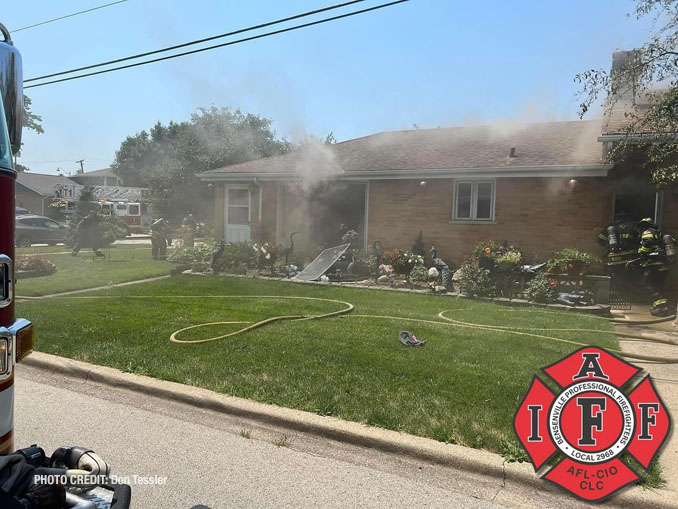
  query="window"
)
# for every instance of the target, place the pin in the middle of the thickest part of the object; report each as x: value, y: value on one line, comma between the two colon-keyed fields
x: 134, y: 210
x: 473, y: 200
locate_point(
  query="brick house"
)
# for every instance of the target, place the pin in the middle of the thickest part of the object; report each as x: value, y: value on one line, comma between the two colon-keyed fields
x: 540, y: 186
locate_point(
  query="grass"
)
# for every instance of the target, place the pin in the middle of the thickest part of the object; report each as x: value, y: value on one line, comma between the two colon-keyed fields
x: 462, y: 387
x: 125, y: 262
x: 245, y: 433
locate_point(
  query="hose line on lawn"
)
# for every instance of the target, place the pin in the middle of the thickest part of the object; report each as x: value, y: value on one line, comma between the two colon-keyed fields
x: 443, y: 320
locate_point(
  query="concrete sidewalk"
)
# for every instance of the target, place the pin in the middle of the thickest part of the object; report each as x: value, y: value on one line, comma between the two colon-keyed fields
x: 665, y: 377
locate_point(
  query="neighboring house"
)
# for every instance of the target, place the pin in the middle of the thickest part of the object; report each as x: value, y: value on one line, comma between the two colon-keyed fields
x: 104, y: 177
x: 36, y: 191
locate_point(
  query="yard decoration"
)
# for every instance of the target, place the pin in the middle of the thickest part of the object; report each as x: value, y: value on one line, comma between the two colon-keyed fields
x: 289, y: 250
x: 445, y: 277
x: 215, y: 255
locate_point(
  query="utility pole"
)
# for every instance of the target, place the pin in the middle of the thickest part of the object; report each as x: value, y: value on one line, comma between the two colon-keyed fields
x: 82, y: 167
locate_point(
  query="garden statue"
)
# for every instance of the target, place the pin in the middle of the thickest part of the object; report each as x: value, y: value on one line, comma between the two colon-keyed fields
x: 88, y: 234
x: 215, y: 256
x: 443, y: 269
x: 290, y: 249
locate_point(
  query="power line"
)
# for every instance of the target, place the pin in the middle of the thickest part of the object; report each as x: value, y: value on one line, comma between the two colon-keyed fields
x: 260, y: 36
x: 198, y: 41
x: 67, y: 16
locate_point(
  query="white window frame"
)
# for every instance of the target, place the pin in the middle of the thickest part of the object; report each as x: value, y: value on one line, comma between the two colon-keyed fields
x: 474, y: 201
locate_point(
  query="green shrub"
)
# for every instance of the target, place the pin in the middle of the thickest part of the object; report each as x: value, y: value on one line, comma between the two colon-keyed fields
x: 364, y: 263
x: 237, y: 253
x: 419, y: 274
x: 542, y: 289
x: 198, y: 256
x: 476, y: 281
x: 266, y: 254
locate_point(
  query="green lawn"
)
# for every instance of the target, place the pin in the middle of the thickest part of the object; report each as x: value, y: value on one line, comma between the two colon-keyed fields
x: 463, y: 386
x: 125, y: 262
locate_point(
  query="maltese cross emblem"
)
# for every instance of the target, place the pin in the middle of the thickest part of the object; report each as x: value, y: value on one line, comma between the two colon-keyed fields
x: 585, y: 428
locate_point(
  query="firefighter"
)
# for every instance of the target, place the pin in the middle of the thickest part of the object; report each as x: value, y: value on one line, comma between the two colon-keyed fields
x: 88, y: 234
x: 160, y: 238
x: 655, y: 255
x: 620, y: 241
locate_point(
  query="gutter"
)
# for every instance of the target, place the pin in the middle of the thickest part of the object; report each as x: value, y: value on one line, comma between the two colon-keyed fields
x: 638, y: 138
x: 597, y: 170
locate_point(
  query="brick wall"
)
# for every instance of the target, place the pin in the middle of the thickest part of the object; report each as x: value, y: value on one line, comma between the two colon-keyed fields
x: 539, y: 215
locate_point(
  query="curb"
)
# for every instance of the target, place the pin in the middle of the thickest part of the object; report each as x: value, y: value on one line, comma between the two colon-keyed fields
x: 459, y: 457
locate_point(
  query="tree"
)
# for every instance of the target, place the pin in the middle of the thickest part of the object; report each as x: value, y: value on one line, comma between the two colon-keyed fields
x: 167, y: 157
x: 30, y: 121
x: 652, y: 113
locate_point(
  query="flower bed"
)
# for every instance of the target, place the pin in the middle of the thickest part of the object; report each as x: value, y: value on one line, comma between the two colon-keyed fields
x: 33, y: 266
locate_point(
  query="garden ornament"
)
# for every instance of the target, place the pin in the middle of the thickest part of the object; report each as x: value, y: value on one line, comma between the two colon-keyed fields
x: 216, y: 255
x: 409, y: 339
x: 443, y: 269
x: 288, y: 250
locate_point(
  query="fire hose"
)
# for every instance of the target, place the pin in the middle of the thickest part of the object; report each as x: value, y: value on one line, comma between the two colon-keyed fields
x: 443, y: 320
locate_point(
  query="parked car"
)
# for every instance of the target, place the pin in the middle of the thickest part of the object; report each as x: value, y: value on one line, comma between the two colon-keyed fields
x: 32, y: 229
x: 20, y: 211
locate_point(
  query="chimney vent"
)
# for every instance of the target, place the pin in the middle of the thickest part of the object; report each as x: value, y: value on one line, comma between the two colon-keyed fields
x: 512, y: 152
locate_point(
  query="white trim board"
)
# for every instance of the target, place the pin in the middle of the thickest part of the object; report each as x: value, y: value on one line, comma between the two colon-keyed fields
x: 471, y: 173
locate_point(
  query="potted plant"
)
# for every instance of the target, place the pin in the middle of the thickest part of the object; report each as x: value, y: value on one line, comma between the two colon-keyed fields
x: 574, y: 262
x: 508, y: 260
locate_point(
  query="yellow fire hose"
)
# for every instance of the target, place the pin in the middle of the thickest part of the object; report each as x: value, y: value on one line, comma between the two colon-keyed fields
x: 443, y: 321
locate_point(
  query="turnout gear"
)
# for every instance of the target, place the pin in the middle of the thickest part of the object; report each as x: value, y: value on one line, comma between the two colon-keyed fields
x: 160, y: 238
x: 654, y: 258
x: 621, y: 244
x: 88, y: 234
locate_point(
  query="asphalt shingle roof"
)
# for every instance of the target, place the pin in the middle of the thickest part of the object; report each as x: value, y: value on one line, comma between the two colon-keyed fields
x: 44, y: 184
x: 539, y: 144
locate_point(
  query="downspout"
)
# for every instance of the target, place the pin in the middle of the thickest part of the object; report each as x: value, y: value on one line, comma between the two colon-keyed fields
x: 258, y: 184
x: 43, y: 204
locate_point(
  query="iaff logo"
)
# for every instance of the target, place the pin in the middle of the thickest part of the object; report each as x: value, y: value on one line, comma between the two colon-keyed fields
x: 591, y: 423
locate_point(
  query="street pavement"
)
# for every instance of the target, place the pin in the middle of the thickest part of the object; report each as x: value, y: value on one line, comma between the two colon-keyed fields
x: 207, y: 458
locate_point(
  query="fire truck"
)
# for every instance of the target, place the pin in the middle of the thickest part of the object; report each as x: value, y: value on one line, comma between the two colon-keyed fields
x: 135, y: 214
x: 21, y: 470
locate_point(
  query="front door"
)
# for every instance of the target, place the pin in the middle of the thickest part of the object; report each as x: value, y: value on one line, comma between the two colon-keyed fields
x: 237, y: 214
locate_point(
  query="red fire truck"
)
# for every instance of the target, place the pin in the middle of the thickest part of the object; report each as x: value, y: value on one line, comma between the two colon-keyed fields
x: 24, y: 469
